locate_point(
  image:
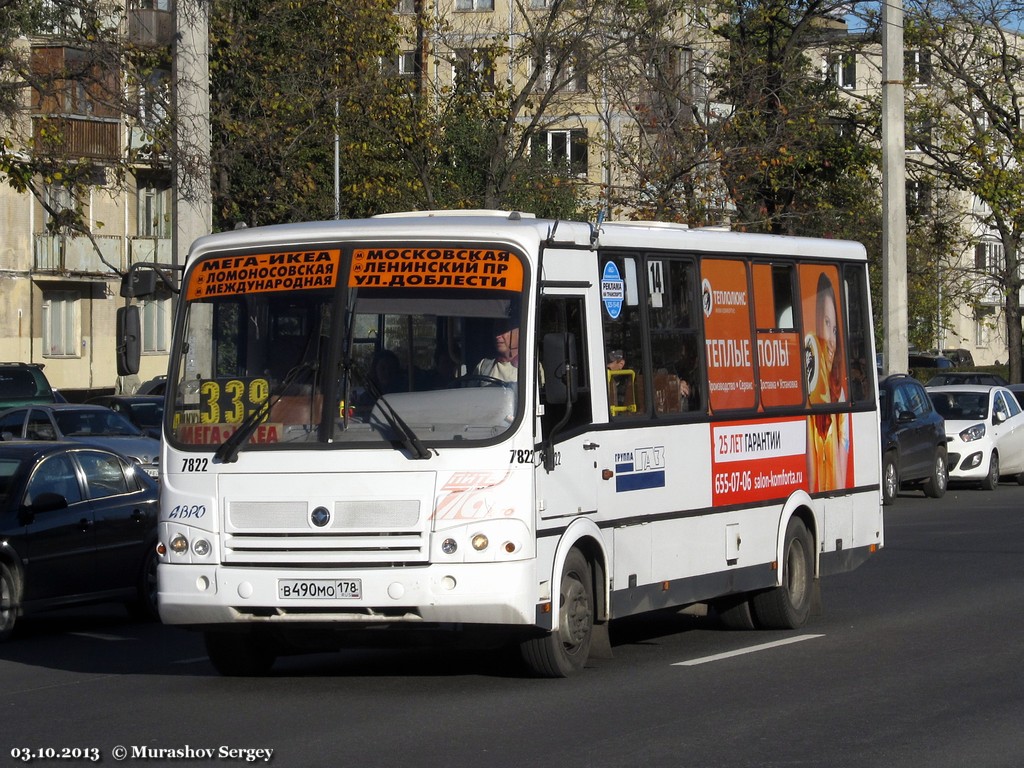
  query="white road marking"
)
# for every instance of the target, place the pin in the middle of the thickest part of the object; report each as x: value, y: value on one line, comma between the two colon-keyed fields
x: 742, y: 651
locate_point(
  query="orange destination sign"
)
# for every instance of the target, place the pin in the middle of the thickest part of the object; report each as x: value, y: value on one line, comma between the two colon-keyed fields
x: 436, y: 267
x: 264, y: 272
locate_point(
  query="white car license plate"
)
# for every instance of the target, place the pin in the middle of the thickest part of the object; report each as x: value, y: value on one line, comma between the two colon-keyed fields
x: 319, y: 589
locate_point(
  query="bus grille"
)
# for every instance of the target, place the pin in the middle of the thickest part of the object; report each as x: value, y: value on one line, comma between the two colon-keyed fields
x: 357, y: 533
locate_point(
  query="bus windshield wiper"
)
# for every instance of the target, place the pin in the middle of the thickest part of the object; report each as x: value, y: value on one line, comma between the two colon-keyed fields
x: 227, y: 453
x: 407, y: 436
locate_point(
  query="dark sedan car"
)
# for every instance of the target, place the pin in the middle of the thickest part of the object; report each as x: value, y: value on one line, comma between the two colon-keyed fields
x: 144, y: 411
x: 913, y: 438
x: 77, y: 525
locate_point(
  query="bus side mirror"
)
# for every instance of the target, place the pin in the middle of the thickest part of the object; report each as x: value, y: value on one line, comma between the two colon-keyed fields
x: 129, y: 332
x: 560, y: 368
x: 138, y: 283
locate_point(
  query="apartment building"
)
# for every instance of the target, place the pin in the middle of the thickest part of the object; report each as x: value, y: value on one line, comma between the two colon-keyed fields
x: 60, y: 287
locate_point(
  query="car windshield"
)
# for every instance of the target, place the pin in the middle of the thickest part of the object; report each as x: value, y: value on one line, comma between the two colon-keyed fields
x: 147, y: 414
x: 959, y: 406
x: 98, y: 423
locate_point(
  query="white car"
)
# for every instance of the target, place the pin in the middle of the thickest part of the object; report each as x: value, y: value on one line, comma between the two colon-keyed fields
x: 984, y: 432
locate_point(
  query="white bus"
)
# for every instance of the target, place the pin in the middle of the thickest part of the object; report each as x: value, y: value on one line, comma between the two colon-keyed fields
x: 488, y: 421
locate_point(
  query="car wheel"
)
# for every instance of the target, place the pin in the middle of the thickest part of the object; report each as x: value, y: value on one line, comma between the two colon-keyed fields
x: 935, y: 487
x: 788, y: 605
x: 239, y: 654
x: 8, y: 602
x: 144, y: 606
x: 991, y: 481
x: 564, y: 650
x: 890, y: 479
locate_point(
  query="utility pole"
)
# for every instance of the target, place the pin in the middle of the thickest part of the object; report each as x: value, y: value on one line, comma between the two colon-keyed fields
x: 894, y: 201
x: 193, y: 201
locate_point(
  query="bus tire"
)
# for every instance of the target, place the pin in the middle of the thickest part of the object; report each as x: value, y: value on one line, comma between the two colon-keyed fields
x: 144, y: 606
x: 788, y: 605
x: 8, y: 602
x: 564, y: 650
x: 239, y: 654
x: 735, y: 612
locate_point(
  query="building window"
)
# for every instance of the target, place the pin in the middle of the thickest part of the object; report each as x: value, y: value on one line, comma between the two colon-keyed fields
x: 155, y: 325
x: 560, y: 72
x: 984, y: 322
x: 568, y: 147
x: 989, y: 258
x: 61, y: 324
x: 917, y: 67
x: 406, y: 6
x: 842, y: 70
x: 474, y: 5
x: 154, y: 99
x: 154, y: 215
x: 919, y: 196
x: 474, y: 68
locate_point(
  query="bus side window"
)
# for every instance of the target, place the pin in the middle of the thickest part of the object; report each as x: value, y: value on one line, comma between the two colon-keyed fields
x: 564, y: 314
x: 675, y: 336
x: 622, y: 334
x: 858, y: 334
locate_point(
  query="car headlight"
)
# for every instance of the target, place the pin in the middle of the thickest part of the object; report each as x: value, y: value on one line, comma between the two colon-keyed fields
x: 975, y: 432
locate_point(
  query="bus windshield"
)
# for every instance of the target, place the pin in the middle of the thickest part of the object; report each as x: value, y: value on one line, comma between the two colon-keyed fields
x: 374, y: 365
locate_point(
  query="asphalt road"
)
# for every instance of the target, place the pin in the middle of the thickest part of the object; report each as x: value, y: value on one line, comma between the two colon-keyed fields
x: 915, y: 660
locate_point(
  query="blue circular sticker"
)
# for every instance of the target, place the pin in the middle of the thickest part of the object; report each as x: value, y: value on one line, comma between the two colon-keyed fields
x: 613, y: 290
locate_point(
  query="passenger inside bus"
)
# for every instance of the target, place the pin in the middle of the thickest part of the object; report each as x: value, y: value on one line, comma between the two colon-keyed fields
x: 621, y: 384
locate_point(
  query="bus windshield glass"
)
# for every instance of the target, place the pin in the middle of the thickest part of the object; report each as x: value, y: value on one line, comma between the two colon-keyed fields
x: 425, y: 356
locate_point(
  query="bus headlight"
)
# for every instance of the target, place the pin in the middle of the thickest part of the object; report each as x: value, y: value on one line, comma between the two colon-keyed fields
x: 479, y: 542
x: 179, y: 545
x: 201, y: 547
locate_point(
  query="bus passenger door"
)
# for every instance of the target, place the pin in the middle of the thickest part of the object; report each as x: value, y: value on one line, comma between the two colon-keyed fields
x: 567, y: 486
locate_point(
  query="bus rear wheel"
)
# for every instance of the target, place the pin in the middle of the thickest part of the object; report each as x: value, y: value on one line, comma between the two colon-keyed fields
x: 788, y: 605
x: 565, y: 650
x: 239, y: 654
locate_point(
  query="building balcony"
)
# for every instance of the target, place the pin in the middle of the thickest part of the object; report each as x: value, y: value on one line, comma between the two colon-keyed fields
x: 67, y: 255
x: 70, y: 136
x: 150, y: 27
x: 76, y: 255
x: 149, y: 249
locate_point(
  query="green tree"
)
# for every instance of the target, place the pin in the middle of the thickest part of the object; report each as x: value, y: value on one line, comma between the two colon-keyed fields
x: 790, y: 151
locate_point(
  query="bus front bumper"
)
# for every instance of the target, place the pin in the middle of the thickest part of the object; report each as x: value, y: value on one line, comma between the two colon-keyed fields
x: 491, y: 593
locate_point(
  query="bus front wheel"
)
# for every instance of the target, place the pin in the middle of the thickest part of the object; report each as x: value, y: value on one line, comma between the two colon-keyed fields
x: 565, y: 650
x: 239, y: 654
x: 788, y: 605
